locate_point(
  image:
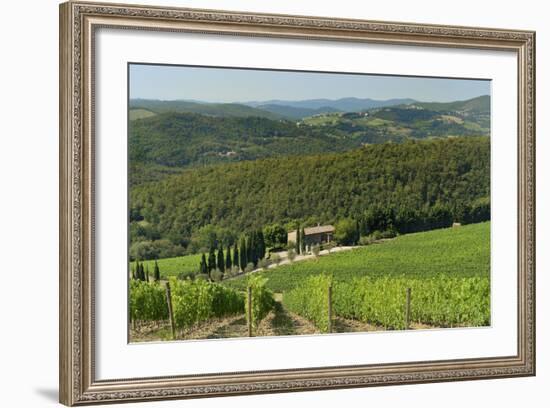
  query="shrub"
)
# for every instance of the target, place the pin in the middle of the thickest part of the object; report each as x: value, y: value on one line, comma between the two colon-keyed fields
x: 377, y: 236
x: 217, y: 275
x: 275, y: 258
x: 263, y: 263
x: 390, y: 233
x: 316, y: 249
x: 185, y: 275
x: 249, y: 267
x: 232, y: 272
x: 366, y: 240
x: 291, y: 253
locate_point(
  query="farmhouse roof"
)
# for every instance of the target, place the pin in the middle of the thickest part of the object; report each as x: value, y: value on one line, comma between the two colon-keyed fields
x: 318, y: 229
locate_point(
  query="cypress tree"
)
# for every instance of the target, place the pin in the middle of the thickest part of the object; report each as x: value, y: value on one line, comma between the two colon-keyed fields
x: 242, y: 253
x: 141, y: 272
x: 302, y: 242
x: 156, y: 271
x: 252, y: 248
x: 235, y: 255
x: 261, y: 245
x: 203, y: 265
x: 248, y: 248
x: 298, y: 244
x: 221, y: 263
x: 211, y: 261
x: 147, y: 273
x: 228, y: 259
x: 133, y: 273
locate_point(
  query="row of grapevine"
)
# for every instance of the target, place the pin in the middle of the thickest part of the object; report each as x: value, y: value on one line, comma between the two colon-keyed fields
x: 195, y: 301
x: 147, y: 301
x: 192, y: 301
x: 261, y: 299
x: 439, y: 301
x: 310, y: 300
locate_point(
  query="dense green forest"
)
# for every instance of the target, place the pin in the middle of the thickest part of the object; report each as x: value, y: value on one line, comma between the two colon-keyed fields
x: 411, y: 186
x: 167, y: 142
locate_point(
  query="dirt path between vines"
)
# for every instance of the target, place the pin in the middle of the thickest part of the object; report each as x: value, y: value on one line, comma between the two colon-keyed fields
x: 279, y: 322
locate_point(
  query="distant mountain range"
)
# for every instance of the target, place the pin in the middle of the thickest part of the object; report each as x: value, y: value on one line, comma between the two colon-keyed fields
x: 271, y: 109
x: 342, y: 104
x: 295, y: 110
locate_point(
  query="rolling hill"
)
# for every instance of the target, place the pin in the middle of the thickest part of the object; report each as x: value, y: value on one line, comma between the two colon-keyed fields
x: 456, y: 252
x: 481, y: 104
x: 418, y: 179
x: 165, y: 138
x: 211, y: 109
x: 178, y: 140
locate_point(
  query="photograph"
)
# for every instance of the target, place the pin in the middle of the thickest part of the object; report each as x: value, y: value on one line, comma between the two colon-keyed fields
x: 264, y: 202
x: 269, y: 202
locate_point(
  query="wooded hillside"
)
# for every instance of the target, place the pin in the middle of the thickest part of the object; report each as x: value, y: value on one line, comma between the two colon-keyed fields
x: 411, y: 186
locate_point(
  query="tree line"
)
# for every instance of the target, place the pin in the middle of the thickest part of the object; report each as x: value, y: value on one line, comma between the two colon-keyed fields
x: 142, y: 274
x: 244, y: 255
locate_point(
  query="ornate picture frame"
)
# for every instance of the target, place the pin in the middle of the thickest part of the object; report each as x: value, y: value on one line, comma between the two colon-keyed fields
x: 79, y: 22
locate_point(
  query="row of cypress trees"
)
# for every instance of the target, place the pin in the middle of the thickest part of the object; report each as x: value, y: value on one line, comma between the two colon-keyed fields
x: 250, y: 248
x: 142, y: 274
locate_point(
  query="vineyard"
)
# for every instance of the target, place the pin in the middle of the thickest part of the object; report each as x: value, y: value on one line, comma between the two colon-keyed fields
x: 431, y: 279
x: 436, y: 301
x: 454, y: 252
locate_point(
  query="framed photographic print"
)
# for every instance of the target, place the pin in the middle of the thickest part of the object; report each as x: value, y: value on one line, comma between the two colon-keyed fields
x: 256, y: 203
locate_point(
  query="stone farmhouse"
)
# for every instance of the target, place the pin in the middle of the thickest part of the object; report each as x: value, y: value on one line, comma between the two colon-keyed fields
x: 314, y: 235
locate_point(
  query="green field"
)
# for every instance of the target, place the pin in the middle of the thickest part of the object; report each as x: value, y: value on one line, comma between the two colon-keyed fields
x: 183, y: 265
x: 457, y: 252
x: 140, y: 114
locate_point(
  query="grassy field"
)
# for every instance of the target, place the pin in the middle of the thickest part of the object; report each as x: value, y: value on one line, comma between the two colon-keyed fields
x: 462, y: 251
x: 174, y: 266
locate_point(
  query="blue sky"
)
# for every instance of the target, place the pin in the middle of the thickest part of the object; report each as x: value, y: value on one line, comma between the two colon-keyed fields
x: 242, y: 85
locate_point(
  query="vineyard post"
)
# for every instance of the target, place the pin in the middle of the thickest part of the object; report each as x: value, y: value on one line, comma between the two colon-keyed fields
x: 170, y: 311
x: 408, y: 309
x: 249, y: 309
x: 329, y: 309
